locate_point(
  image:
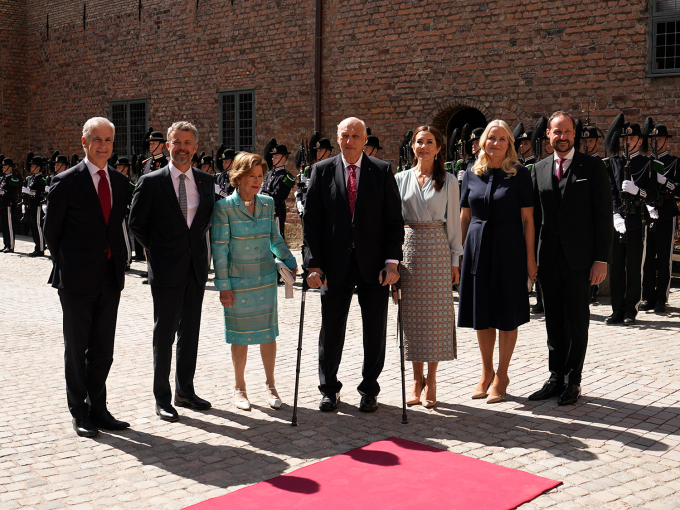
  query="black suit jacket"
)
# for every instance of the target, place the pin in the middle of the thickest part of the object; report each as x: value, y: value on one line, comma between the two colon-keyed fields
x: 581, y: 219
x: 77, y: 235
x: 377, y: 228
x: 172, y: 248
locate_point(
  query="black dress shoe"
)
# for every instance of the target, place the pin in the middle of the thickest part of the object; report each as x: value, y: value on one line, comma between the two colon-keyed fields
x: 537, y: 308
x: 645, y: 305
x: 193, y: 402
x: 329, y: 402
x: 629, y: 319
x: 36, y: 253
x: 167, y: 413
x: 84, y: 427
x: 550, y: 389
x: 615, y: 318
x: 368, y: 404
x: 570, y: 395
x: 660, y: 308
x: 105, y: 420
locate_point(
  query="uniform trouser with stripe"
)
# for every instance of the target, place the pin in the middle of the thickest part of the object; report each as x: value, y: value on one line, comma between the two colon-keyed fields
x: 128, y: 242
x: 626, y: 272
x: 280, y: 210
x: 36, y: 218
x: 658, y: 261
x: 7, y: 227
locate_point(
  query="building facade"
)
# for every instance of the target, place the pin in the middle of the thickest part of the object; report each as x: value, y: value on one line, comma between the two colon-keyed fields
x: 246, y: 71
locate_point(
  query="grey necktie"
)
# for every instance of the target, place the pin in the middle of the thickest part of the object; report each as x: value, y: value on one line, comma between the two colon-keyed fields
x: 183, y: 195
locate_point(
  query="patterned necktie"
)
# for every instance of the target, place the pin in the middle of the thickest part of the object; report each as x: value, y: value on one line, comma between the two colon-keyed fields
x: 104, y: 193
x: 352, y: 187
x: 183, y: 195
x: 560, y: 170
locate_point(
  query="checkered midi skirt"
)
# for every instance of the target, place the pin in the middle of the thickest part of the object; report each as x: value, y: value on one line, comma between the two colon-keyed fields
x: 427, y: 298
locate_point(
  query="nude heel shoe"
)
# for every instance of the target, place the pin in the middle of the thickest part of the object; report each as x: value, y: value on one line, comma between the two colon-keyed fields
x: 484, y: 394
x: 498, y: 398
x: 416, y: 400
x: 244, y: 403
x: 430, y: 403
x: 274, y: 402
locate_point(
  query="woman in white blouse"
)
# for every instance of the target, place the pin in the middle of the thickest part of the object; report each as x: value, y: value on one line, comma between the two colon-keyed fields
x: 432, y: 249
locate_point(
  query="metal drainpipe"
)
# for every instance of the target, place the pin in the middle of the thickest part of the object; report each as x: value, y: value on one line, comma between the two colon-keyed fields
x: 317, y: 68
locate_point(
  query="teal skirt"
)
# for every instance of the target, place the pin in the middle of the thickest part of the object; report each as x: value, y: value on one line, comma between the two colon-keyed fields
x: 253, y: 319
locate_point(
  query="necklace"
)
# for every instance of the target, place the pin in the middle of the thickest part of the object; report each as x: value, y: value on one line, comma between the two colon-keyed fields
x: 249, y: 202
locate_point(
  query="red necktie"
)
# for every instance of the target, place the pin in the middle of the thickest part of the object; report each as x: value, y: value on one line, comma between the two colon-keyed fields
x: 352, y: 187
x: 560, y: 171
x: 104, y: 198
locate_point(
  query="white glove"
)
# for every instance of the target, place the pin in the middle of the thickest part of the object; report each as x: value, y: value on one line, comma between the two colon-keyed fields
x: 630, y: 187
x: 2, y: 192
x: 461, y: 173
x: 25, y: 190
x: 661, y: 179
x: 217, y: 189
x: 619, y: 223
x: 47, y: 189
x: 653, y: 213
x: 300, y: 208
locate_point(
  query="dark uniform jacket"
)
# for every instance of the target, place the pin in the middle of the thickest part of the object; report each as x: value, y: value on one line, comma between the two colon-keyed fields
x: 9, y: 187
x: 666, y: 204
x: 37, y: 183
x: 276, y: 186
x: 644, y: 176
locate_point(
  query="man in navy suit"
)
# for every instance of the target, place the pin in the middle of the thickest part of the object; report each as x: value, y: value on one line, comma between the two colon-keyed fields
x: 170, y: 216
x: 353, y: 229
x: 86, y: 209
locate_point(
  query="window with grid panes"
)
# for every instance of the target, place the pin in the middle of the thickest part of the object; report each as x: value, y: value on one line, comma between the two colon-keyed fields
x: 130, y: 119
x: 237, y: 119
x: 664, y: 31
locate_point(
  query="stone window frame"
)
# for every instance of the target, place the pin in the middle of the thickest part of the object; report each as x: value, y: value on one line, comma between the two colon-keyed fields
x: 654, y: 19
x: 129, y: 147
x: 236, y: 142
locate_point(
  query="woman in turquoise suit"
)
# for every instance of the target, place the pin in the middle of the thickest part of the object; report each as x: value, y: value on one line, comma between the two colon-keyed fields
x: 244, y: 241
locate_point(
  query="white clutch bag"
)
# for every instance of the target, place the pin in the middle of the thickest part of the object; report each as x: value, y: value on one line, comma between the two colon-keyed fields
x: 288, y: 278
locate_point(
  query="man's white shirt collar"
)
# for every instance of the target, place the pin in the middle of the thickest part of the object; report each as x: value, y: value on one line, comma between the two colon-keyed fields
x: 175, y: 172
x: 92, y: 168
x: 569, y: 156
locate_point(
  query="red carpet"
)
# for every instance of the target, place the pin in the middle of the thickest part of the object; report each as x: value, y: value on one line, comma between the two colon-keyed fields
x: 395, y: 474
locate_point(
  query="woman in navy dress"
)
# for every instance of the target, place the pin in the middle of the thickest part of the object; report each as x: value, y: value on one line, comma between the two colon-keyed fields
x: 498, y: 227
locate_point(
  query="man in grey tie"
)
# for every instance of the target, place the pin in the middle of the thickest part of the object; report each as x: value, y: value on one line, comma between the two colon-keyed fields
x: 170, y: 216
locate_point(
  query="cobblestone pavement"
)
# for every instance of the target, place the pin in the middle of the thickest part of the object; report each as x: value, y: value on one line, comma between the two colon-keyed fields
x: 619, y: 448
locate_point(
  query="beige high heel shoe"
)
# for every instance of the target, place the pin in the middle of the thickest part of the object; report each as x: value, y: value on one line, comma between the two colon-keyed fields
x: 416, y: 400
x: 274, y: 402
x: 242, y: 403
x: 484, y: 394
x: 430, y: 403
x: 498, y: 398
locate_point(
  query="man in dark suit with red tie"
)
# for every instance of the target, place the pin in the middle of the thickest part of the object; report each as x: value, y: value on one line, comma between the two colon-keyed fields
x: 170, y: 216
x: 353, y: 229
x: 86, y: 208
x: 574, y: 229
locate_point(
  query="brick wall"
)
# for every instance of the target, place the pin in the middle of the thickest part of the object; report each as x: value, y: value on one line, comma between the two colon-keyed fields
x: 393, y: 64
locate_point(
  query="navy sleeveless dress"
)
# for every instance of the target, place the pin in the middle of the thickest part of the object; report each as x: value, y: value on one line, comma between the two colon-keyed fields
x: 493, y: 287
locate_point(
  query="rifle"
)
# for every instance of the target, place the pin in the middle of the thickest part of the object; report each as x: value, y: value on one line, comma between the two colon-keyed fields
x: 626, y: 201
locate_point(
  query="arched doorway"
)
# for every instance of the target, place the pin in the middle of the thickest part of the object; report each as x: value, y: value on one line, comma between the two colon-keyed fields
x: 464, y: 116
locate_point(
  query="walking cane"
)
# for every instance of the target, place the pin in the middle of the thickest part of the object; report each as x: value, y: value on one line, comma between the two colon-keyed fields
x: 396, y: 296
x: 305, y: 288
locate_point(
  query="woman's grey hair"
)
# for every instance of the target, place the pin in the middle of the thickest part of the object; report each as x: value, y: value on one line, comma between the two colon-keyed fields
x: 183, y: 125
x: 351, y: 120
x: 89, y: 126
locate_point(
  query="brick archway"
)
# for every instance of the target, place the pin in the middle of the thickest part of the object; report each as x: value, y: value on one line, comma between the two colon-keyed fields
x: 441, y: 115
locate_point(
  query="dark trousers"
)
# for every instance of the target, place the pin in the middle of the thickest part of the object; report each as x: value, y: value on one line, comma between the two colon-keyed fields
x: 89, y: 332
x: 7, y: 227
x: 626, y: 272
x: 335, y: 302
x: 35, y: 220
x: 176, y: 311
x: 129, y: 240
x: 657, y: 269
x: 566, y: 298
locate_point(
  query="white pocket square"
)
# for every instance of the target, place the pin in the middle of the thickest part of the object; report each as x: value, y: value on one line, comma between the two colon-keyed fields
x: 580, y: 180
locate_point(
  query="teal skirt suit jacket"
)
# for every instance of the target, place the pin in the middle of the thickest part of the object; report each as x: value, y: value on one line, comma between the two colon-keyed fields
x: 243, y: 247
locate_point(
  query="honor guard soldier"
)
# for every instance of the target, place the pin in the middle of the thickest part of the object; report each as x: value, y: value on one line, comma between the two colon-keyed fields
x: 525, y: 150
x: 590, y: 141
x: 223, y: 187
x: 660, y: 237
x: 471, y: 148
x: 634, y: 191
x: 372, y: 145
x: 10, y: 184
x: 35, y: 194
x: 278, y: 182
x: 124, y: 166
x: 319, y: 150
x: 206, y: 164
x: 157, y: 159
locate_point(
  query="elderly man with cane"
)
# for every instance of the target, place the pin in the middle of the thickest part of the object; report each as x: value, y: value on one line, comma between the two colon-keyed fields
x: 353, y: 231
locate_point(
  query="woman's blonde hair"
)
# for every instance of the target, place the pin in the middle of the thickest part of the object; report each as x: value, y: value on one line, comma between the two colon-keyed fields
x: 510, y: 162
x: 244, y: 162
